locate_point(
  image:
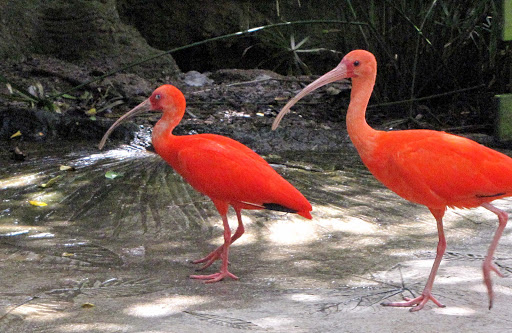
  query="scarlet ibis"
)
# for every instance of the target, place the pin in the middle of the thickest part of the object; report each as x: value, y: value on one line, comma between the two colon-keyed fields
x: 432, y: 168
x: 225, y: 170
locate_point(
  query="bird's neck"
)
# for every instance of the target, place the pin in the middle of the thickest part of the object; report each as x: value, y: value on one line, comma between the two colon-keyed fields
x: 362, y: 135
x: 162, y: 137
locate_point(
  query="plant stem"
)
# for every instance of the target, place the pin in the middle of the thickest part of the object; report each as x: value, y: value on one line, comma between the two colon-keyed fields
x: 418, y: 99
x: 352, y: 10
x: 416, y: 55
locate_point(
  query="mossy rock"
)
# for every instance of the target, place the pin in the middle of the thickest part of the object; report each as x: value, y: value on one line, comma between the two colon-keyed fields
x: 88, y: 33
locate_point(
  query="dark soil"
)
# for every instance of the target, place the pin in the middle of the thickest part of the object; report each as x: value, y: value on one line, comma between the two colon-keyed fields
x: 237, y: 103
x: 240, y: 104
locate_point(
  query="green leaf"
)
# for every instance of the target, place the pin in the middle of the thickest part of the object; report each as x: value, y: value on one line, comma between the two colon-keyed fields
x: 51, y: 181
x: 113, y: 174
x: 68, y: 96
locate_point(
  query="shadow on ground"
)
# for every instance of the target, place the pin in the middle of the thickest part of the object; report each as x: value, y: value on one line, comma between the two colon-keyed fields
x: 114, y: 255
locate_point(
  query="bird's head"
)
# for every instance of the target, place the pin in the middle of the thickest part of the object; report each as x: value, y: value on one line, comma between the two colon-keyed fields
x: 166, y: 98
x: 357, y: 64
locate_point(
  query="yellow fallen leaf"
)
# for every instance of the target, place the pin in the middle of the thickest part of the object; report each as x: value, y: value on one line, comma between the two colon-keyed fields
x: 67, y: 254
x: 37, y: 203
x: 91, y: 112
x: 16, y: 134
x: 87, y: 305
x: 66, y: 168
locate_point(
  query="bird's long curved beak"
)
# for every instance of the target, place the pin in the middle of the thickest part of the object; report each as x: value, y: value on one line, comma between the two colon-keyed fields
x: 338, y: 73
x: 141, y: 108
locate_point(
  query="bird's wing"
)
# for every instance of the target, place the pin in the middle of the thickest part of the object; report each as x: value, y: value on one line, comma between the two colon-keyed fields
x: 224, y: 169
x: 442, y: 169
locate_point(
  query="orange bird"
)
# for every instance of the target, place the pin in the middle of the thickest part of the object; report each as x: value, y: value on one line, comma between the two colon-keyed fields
x: 225, y: 170
x: 432, y: 168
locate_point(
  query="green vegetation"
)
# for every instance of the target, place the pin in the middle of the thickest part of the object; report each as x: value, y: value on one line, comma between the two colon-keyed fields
x: 285, y: 52
x: 439, y: 60
x: 428, y: 51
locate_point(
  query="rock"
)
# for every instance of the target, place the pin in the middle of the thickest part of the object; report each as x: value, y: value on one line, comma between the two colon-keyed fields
x: 196, y: 79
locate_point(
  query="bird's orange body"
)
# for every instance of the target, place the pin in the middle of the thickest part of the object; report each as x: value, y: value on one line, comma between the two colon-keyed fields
x: 225, y: 170
x: 229, y: 172
x: 425, y: 167
x: 432, y: 168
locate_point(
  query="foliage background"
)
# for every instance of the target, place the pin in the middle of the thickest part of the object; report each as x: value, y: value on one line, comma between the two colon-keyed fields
x: 439, y: 47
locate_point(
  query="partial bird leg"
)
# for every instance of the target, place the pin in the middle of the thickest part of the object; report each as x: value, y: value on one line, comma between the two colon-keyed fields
x: 224, y: 255
x: 216, y: 254
x: 489, y: 265
x: 419, y: 302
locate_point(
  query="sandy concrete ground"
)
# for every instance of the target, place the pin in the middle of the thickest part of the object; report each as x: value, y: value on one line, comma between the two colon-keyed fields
x: 74, y: 267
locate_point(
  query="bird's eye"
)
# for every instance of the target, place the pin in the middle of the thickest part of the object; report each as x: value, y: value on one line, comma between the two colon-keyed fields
x: 158, y: 96
x: 356, y: 63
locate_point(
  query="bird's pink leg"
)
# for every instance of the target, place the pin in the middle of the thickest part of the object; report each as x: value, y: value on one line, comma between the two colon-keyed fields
x: 224, y: 255
x: 216, y: 254
x: 419, y: 302
x: 488, y: 265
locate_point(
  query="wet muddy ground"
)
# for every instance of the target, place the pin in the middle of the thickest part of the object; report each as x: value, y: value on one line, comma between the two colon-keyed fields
x: 114, y: 255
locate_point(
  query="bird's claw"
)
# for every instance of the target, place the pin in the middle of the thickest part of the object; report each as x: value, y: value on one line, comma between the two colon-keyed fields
x: 213, y: 255
x: 210, y: 258
x: 214, y: 277
x: 416, y: 303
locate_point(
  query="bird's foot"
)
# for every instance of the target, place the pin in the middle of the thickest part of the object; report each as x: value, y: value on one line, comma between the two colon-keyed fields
x: 489, y: 266
x: 417, y: 303
x: 210, y: 258
x: 214, y: 254
x: 214, y: 277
